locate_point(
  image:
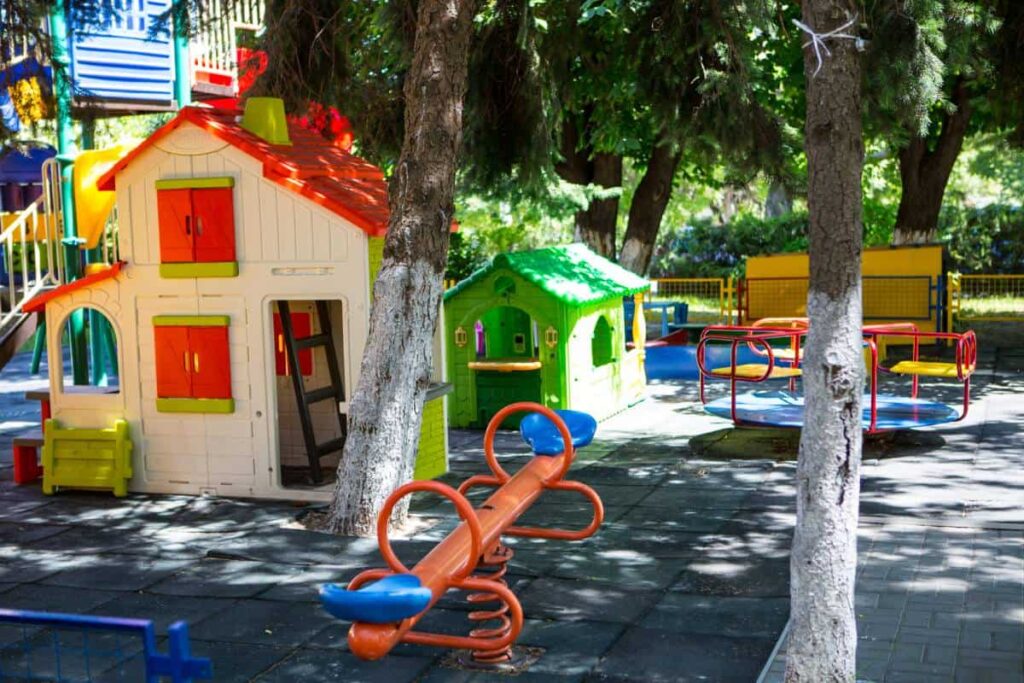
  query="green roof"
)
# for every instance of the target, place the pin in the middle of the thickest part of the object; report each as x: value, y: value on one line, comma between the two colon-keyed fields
x: 573, y: 274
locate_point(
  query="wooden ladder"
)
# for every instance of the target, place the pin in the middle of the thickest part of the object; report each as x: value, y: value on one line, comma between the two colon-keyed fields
x: 334, y: 391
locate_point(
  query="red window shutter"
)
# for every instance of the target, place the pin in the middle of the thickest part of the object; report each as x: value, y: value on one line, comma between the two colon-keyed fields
x: 173, y: 362
x: 301, y: 326
x: 214, y: 217
x: 211, y: 362
x: 174, y: 212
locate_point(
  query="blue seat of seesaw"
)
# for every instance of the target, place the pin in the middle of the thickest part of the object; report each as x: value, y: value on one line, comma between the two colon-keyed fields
x: 544, y: 438
x: 391, y: 599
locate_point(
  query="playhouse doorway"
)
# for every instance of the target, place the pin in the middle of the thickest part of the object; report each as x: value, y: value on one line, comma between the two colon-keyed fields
x: 508, y: 366
x: 311, y: 390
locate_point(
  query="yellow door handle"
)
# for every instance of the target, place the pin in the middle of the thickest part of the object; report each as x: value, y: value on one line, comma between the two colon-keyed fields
x: 195, y: 362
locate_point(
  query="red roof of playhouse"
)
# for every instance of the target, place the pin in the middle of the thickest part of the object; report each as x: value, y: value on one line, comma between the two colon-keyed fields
x: 343, y: 183
x: 38, y: 302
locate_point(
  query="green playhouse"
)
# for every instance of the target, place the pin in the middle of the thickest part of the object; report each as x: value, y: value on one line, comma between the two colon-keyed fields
x: 547, y: 326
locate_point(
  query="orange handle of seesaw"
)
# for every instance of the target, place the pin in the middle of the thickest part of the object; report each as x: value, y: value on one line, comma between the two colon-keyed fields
x: 449, y: 563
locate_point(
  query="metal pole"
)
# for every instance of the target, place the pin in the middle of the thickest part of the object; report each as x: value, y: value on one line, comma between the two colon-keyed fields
x: 65, y: 147
x: 182, y: 72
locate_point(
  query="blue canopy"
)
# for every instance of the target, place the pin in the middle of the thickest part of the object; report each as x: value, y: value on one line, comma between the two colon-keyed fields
x: 22, y: 162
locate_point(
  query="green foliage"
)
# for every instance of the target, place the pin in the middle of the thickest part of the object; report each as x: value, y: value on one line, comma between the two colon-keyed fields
x: 465, y: 254
x: 703, y: 249
x: 986, y: 240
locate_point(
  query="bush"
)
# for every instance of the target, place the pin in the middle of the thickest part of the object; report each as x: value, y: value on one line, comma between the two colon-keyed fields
x: 703, y: 249
x: 465, y: 254
x: 986, y: 240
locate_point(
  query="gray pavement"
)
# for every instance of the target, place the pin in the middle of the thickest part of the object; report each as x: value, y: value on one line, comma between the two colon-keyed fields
x: 687, y: 579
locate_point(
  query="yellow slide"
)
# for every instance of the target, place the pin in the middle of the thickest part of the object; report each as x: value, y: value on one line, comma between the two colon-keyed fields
x: 92, y: 207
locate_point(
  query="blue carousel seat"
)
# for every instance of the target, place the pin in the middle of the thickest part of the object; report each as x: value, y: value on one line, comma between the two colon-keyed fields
x: 544, y: 438
x: 390, y: 599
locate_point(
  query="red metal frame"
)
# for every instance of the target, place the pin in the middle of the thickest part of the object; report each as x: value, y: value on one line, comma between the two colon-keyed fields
x: 757, y: 334
x: 966, y: 358
x: 756, y: 337
x: 452, y: 562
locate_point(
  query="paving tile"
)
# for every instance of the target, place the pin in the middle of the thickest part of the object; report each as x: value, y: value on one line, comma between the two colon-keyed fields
x: 618, y: 568
x: 324, y: 666
x: 55, y: 598
x: 162, y: 610
x: 753, y: 578
x: 264, y: 622
x: 26, y: 533
x: 224, y: 579
x: 569, y: 600
x: 653, y: 655
x: 715, y: 615
x: 239, y: 662
x: 297, y: 546
x: 569, y: 648
x: 117, y: 573
x: 674, y: 519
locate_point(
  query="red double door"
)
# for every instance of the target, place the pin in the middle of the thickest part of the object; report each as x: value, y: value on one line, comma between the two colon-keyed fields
x: 192, y: 362
x: 196, y: 225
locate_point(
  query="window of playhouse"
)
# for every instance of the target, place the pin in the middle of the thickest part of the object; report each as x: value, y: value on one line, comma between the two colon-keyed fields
x: 601, y: 343
x: 88, y: 347
x: 506, y: 332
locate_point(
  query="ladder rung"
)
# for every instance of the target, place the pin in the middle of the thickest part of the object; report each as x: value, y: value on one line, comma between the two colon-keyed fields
x: 321, y: 394
x: 330, y: 446
x: 310, y: 342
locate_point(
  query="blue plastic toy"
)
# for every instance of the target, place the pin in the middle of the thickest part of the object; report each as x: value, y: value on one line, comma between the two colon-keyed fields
x: 393, y: 598
x: 543, y: 437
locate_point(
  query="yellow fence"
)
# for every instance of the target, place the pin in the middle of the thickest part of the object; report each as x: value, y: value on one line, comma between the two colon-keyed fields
x: 710, y: 299
x: 987, y: 298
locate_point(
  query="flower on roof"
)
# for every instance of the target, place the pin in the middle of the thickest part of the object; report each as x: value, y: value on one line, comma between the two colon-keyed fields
x: 328, y: 122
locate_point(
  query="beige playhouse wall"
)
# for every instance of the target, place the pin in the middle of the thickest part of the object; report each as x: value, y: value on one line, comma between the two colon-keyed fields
x: 288, y: 248
x: 625, y: 379
x: 78, y: 408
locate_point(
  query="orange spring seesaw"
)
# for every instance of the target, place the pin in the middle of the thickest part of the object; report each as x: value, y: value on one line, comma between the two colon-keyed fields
x: 385, y: 612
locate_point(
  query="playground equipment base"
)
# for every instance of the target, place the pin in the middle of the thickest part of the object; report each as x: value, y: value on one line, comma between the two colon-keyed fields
x: 786, y: 409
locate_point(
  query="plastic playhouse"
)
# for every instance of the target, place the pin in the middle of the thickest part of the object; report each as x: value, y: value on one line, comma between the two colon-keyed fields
x: 472, y: 557
x: 544, y: 326
x: 770, y: 350
x: 237, y: 314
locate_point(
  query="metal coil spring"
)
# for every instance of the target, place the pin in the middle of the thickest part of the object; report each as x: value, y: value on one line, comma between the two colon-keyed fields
x: 494, y: 566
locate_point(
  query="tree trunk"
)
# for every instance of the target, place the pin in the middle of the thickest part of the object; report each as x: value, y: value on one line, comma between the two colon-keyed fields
x: 924, y: 173
x: 648, y: 208
x: 778, y: 202
x: 595, y: 227
x: 387, y: 407
x: 823, y: 637
x: 580, y: 165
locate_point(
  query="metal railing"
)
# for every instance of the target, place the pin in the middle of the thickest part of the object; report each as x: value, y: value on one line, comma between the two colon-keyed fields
x: 885, y: 297
x: 984, y: 298
x: 31, y: 246
x: 50, y: 646
x: 214, y: 50
x: 710, y: 299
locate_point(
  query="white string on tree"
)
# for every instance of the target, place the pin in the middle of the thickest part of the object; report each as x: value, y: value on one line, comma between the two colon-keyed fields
x: 818, y: 39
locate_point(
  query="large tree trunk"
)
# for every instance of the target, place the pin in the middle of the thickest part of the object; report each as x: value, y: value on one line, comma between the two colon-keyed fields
x: 822, y: 641
x: 595, y: 227
x: 648, y: 208
x: 387, y: 407
x: 581, y: 165
x: 924, y: 173
x: 778, y: 202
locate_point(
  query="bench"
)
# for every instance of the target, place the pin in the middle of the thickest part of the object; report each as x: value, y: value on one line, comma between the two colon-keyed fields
x: 26, y: 457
